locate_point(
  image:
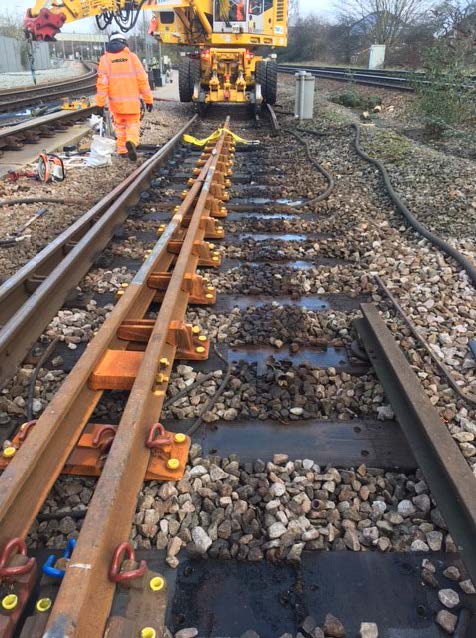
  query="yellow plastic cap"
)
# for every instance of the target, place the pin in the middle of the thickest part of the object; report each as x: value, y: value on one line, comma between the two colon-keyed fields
x: 180, y: 438
x: 10, y: 451
x: 148, y: 632
x: 196, y: 330
x: 124, y: 285
x: 43, y: 605
x: 10, y: 602
x: 157, y: 583
x: 208, y: 296
x: 200, y: 350
x: 202, y: 338
x: 173, y: 464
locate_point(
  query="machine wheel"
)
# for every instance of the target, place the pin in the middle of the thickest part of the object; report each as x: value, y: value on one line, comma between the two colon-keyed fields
x: 271, y: 81
x: 189, y: 75
x: 267, y: 76
x: 261, y: 77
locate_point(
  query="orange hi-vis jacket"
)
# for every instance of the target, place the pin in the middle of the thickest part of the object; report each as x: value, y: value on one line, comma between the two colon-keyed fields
x: 122, y: 81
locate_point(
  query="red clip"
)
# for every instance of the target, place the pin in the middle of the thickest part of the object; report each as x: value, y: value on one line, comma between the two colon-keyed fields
x: 14, y: 546
x: 25, y: 430
x: 104, y: 446
x: 118, y: 558
x: 164, y: 439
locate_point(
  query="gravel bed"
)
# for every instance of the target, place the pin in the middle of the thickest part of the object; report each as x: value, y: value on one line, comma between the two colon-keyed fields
x: 266, y: 510
x: 432, y: 290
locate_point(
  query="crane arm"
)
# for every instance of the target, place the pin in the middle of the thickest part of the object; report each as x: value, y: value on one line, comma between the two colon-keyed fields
x: 47, y: 17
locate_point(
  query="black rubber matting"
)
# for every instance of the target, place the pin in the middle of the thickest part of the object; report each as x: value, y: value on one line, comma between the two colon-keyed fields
x: 227, y: 598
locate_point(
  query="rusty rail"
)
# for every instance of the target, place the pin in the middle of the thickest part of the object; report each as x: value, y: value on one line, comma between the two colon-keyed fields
x: 83, y: 604
x: 445, y: 469
x: 31, y: 297
x: 274, y: 119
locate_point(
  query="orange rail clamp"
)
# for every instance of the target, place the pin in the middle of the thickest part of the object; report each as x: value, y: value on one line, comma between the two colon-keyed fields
x: 200, y: 291
x: 146, y: 602
x: 90, y: 453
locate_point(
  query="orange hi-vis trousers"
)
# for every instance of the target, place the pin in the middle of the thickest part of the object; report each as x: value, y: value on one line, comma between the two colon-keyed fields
x: 127, y: 129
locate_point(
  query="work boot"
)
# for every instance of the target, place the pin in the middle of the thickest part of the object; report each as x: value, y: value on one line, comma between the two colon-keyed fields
x: 131, y: 151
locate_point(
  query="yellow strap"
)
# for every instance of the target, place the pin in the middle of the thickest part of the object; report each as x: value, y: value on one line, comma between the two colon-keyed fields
x: 189, y: 139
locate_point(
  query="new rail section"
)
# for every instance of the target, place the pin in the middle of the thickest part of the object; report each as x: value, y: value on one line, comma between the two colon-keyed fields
x: 135, y: 354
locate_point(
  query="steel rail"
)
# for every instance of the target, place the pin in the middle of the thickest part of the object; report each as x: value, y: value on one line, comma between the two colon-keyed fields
x: 360, y: 77
x: 25, y: 131
x: 24, y: 96
x: 273, y: 118
x: 397, y: 80
x: 446, y: 471
x: 85, y: 595
x: 26, y: 311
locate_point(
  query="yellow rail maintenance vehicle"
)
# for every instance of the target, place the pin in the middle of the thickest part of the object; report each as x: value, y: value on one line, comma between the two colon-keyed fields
x: 224, y: 64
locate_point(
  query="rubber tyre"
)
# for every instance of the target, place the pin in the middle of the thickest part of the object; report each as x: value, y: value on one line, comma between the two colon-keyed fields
x: 189, y: 75
x: 261, y: 78
x: 271, y: 82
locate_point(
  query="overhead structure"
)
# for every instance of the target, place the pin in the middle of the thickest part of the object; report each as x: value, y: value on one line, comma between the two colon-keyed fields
x: 224, y: 64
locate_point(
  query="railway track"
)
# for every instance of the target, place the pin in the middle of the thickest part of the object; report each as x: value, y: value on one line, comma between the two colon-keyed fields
x: 33, y: 295
x: 14, y: 138
x: 76, y: 87
x: 239, y: 290
x: 398, y: 80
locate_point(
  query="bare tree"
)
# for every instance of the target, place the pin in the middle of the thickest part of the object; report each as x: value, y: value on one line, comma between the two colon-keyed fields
x: 384, y: 21
x: 456, y: 22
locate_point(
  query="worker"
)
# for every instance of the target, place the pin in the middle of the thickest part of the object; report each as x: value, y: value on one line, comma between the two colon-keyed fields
x: 121, y: 82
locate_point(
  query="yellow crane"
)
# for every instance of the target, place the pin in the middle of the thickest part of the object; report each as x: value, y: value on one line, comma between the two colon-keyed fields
x: 223, y: 37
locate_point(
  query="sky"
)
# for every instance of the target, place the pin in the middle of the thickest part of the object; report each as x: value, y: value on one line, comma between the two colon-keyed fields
x: 320, y: 7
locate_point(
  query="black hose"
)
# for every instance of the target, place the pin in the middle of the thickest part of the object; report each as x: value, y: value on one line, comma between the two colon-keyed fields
x: 188, y: 389
x: 411, y: 219
x: 321, y: 169
x: 31, y: 390
x: 211, y: 402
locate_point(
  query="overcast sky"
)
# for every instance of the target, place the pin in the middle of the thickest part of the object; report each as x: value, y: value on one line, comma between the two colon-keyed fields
x: 321, y: 7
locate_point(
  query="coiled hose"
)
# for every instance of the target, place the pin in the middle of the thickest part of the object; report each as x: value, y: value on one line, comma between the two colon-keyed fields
x: 411, y: 219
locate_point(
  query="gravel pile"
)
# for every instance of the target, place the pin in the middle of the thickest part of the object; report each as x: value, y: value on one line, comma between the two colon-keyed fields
x: 71, y: 327
x: 284, y: 393
x: 253, y: 511
x: 101, y: 280
x: 279, y: 509
x: 274, y: 280
x: 276, y: 325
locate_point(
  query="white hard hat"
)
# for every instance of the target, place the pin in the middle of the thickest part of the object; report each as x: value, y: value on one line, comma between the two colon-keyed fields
x: 117, y: 36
